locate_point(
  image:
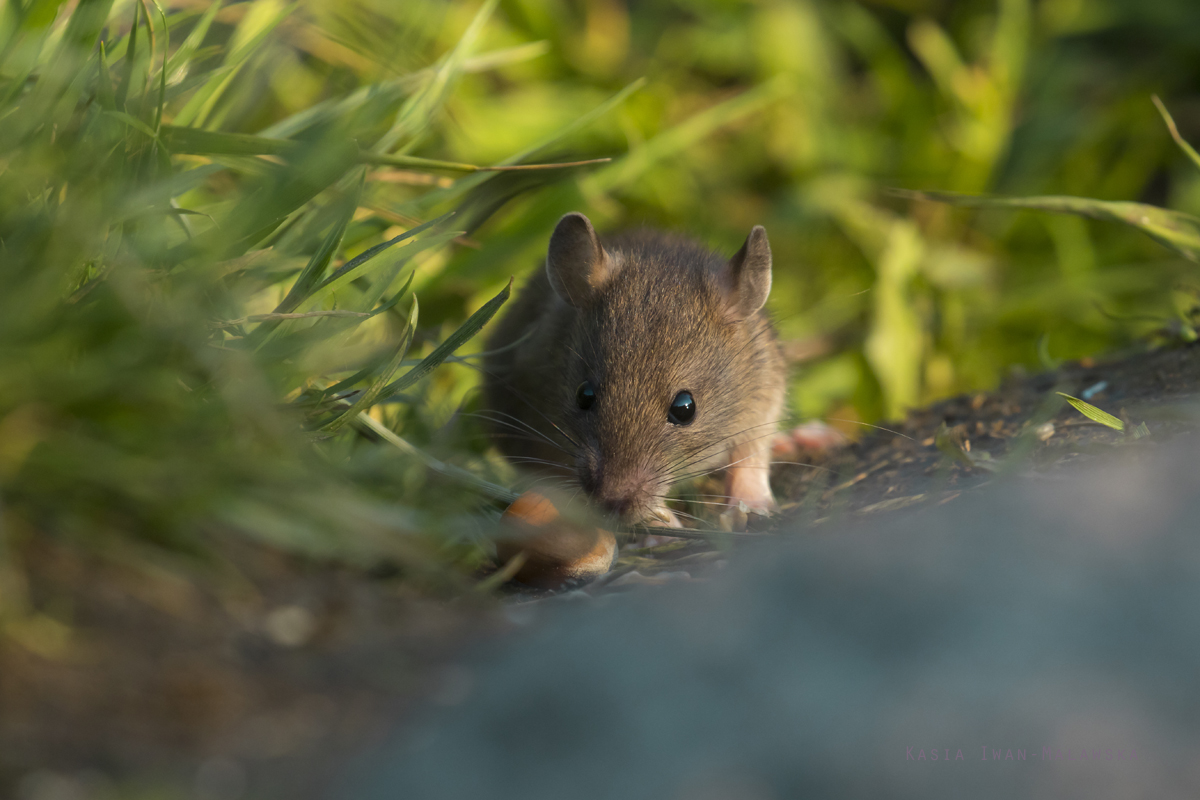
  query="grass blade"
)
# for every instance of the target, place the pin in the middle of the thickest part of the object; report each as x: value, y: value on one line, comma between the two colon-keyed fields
x: 440, y: 467
x: 178, y: 63
x: 370, y: 253
x: 369, y: 397
x: 343, y: 272
x: 105, y: 93
x: 447, y: 348
x: 130, y: 59
x: 1188, y: 150
x: 1174, y: 229
x: 506, y: 56
x: 133, y: 122
x: 233, y: 323
x: 162, y: 77
x: 454, y: 166
x: 418, y: 112
x: 381, y: 284
x: 75, y: 46
x: 197, y: 141
x: 162, y: 191
x: 283, y: 190
x: 1093, y: 413
x: 250, y: 33
x: 363, y: 373
x: 579, y: 123
x: 479, y: 184
x: 395, y: 88
x: 686, y: 134
x: 311, y: 274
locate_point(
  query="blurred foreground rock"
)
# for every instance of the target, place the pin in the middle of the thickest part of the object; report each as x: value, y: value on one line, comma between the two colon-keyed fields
x: 1031, y: 639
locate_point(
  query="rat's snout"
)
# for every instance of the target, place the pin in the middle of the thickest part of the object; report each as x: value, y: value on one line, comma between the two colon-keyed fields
x: 621, y: 490
x: 618, y: 506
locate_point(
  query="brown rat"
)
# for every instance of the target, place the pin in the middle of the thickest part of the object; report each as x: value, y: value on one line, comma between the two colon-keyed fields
x: 629, y: 365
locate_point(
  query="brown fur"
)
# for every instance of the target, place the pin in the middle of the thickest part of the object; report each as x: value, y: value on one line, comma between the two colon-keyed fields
x: 665, y: 320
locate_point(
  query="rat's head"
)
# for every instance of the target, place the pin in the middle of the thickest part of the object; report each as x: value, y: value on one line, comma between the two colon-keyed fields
x: 664, y: 358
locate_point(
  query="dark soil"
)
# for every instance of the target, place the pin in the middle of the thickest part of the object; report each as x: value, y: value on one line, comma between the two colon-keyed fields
x: 196, y: 681
x: 1025, y: 428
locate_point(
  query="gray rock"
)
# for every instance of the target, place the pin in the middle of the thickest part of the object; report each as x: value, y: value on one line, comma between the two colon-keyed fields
x: 1031, y: 639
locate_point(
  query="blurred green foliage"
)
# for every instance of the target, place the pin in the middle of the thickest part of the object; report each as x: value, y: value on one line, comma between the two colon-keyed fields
x: 175, y: 176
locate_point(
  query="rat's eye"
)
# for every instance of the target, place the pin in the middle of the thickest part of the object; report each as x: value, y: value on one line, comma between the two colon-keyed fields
x: 682, y: 409
x: 585, y: 395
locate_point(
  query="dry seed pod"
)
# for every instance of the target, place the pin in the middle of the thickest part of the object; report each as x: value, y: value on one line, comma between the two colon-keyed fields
x: 557, y: 552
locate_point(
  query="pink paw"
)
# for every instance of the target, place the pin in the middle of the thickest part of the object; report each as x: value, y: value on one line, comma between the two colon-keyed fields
x: 738, y: 514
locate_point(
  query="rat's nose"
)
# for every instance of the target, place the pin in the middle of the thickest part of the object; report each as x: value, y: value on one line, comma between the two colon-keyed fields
x: 631, y: 507
x: 616, y: 489
x: 617, y: 506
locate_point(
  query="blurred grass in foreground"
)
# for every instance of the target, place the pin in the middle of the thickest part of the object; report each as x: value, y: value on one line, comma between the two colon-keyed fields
x: 195, y: 321
x: 215, y: 221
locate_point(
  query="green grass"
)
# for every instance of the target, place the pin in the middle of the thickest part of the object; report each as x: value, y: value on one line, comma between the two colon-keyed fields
x: 216, y: 220
x: 187, y: 307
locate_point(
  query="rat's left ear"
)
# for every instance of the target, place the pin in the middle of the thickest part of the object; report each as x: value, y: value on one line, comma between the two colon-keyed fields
x: 577, y: 265
x: 750, y: 274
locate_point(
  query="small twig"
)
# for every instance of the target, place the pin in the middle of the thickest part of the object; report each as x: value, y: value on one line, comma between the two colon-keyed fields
x: 692, y: 533
x: 411, y: 178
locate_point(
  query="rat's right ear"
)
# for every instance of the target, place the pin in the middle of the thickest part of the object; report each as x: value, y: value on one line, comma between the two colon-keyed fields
x: 576, y: 263
x: 750, y: 274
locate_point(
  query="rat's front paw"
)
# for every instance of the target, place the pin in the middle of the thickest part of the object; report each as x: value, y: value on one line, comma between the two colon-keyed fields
x: 733, y: 518
x: 738, y: 514
x: 748, y: 488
